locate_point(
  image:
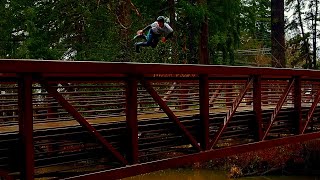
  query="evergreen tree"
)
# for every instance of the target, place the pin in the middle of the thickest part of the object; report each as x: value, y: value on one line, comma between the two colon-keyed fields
x: 277, y: 33
x: 302, y: 26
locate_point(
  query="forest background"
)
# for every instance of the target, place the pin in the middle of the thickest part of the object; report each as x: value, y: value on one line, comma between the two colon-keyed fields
x: 230, y: 32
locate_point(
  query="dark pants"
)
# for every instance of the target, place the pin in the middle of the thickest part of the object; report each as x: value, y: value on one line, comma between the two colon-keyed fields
x: 152, y: 40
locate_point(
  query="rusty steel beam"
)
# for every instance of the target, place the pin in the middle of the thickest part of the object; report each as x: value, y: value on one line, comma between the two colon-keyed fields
x: 230, y: 113
x: 278, y: 107
x: 193, y: 158
x: 204, y: 110
x: 26, y: 125
x: 169, y: 113
x: 311, y: 112
x: 82, y: 121
x: 63, y: 67
x: 132, y: 120
x: 257, y: 100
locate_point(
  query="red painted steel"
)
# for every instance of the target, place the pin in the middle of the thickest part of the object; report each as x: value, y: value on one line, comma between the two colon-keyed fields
x: 204, y: 110
x: 230, y: 113
x: 311, y: 111
x: 194, y: 87
x: 5, y: 175
x: 278, y: 107
x: 257, y: 93
x: 297, y: 105
x: 82, y: 121
x: 215, y: 95
x: 70, y: 67
x: 132, y: 120
x: 169, y: 113
x: 197, y: 157
x: 228, y: 95
x: 26, y: 125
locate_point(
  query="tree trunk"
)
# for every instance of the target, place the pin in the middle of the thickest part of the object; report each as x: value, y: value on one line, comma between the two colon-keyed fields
x: 124, y: 20
x: 172, y: 12
x: 305, y: 39
x: 192, y: 57
x: 277, y: 33
x: 191, y: 44
x: 204, y: 35
x: 315, y: 36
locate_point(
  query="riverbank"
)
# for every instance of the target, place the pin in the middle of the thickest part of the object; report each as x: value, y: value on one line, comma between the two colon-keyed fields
x: 295, y: 159
x: 203, y: 174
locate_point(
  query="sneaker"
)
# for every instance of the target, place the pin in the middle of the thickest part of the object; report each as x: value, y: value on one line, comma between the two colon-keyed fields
x: 137, y: 47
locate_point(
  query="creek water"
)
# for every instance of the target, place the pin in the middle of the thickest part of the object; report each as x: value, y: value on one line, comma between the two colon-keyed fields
x: 191, y: 174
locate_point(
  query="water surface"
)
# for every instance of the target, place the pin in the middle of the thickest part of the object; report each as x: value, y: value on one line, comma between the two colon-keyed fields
x: 190, y: 174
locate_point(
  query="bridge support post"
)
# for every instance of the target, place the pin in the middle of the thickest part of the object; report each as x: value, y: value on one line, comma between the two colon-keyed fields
x: 26, y: 126
x: 204, y: 110
x: 257, y: 97
x: 297, y: 117
x: 132, y: 120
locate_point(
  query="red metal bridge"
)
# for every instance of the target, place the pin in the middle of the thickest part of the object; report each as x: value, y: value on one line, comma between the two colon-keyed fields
x: 85, y: 120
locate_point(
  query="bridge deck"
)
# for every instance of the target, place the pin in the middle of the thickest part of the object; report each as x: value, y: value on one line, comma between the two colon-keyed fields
x: 97, y: 121
x: 142, y: 117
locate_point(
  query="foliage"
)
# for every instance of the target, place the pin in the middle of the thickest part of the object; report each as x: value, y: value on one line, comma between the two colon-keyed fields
x: 258, y: 162
x: 99, y: 30
x: 302, y: 32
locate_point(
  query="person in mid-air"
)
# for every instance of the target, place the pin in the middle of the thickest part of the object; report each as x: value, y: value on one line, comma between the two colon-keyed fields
x: 155, y: 30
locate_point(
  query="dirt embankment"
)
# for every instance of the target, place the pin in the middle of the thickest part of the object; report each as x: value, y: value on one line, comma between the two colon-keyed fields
x: 297, y: 159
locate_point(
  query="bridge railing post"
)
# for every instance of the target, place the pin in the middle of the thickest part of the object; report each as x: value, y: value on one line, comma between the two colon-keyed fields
x: 204, y: 110
x: 26, y: 125
x: 131, y: 119
x: 257, y: 93
x: 297, y: 98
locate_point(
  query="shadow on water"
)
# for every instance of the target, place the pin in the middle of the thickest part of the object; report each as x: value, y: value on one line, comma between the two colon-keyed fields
x: 189, y: 174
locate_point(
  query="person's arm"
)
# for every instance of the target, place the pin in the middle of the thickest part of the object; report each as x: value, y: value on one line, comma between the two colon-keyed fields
x: 169, y: 31
x: 144, y: 29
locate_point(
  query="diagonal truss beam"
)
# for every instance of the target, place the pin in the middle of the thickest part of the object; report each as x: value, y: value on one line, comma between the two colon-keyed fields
x: 82, y: 121
x: 215, y: 95
x: 278, y: 107
x: 311, y: 111
x: 169, y: 113
x: 230, y: 113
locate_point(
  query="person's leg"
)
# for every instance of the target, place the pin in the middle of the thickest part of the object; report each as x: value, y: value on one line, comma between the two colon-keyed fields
x: 155, y: 41
x: 150, y: 39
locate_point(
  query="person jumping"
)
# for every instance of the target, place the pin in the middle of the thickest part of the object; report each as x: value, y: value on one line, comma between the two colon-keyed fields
x: 155, y: 30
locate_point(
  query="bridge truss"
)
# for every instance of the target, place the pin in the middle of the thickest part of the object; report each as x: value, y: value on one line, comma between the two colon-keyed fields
x: 84, y: 120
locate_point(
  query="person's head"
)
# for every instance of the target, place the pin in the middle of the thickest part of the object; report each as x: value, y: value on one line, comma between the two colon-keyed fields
x: 160, y: 21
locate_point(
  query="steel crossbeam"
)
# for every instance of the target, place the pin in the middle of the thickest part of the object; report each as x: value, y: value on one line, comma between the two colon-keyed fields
x: 311, y: 111
x: 214, y: 96
x: 278, y: 107
x: 82, y: 121
x: 230, y: 113
x: 169, y: 113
